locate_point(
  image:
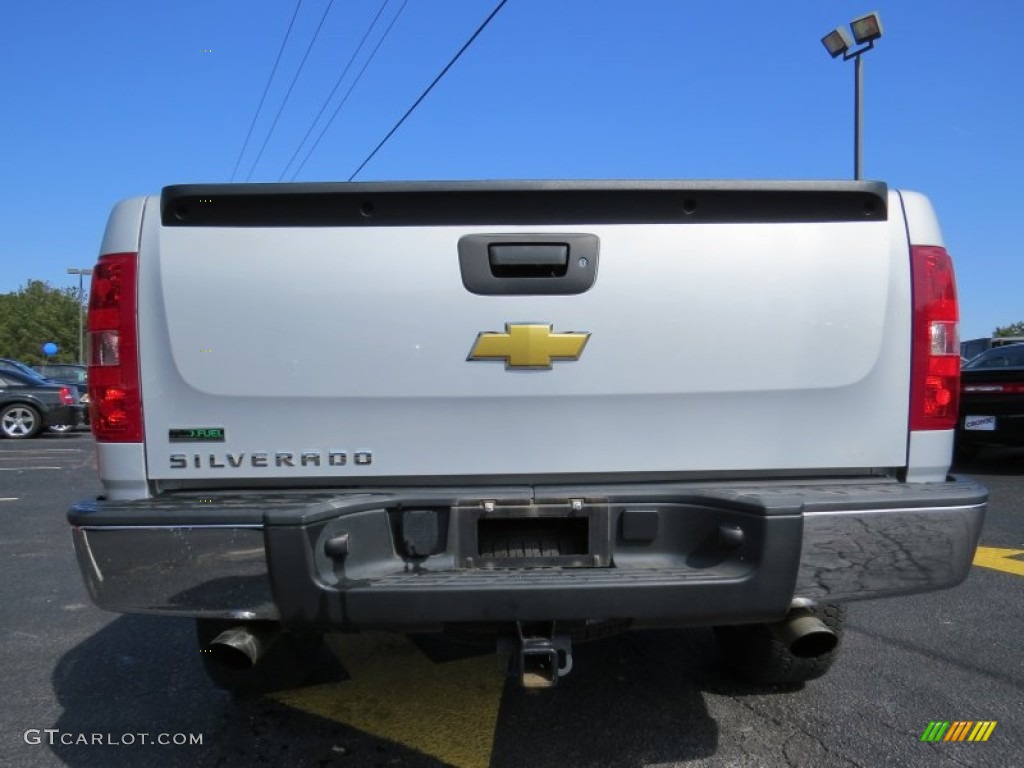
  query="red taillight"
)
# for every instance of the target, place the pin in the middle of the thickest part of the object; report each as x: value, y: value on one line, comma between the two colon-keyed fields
x: 115, y: 402
x: 935, y: 360
x: 66, y: 398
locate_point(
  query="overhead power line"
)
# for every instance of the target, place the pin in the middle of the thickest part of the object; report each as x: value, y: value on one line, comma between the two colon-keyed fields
x: 355, y: 82
x: 298, y: 72
x: 430, y: 87
x: 337, y: 83
x: 266, y: 88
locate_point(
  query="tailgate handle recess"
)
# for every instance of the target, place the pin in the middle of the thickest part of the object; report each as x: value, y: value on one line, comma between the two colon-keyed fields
x: 528, y: 259
x: 528, y: 264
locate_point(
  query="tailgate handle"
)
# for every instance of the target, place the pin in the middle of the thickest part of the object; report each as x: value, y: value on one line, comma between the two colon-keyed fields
x: 528, y: 264
x: 528, y: 259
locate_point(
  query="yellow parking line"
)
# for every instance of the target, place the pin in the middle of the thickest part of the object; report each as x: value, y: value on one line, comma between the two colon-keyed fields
x: 448, y: 710
x: 1000, y: 559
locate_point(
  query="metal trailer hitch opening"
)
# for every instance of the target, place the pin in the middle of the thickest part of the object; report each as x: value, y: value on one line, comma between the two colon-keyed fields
x: 537, y: 654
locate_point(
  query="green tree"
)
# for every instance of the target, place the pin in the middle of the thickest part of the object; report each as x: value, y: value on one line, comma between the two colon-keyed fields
x: 35, y: 314
x: 1015, y: 329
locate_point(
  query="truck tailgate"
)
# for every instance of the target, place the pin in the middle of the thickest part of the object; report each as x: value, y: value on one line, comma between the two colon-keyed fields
x: 325, y: 330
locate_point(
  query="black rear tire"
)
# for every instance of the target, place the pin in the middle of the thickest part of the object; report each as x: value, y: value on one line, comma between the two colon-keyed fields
x: 288, y: 663
x: 753, y: 654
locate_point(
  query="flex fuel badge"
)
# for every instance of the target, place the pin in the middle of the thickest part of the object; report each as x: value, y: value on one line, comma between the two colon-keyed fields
x: 196, y: 435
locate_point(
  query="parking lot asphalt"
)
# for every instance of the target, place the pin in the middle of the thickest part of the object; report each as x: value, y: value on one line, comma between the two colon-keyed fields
x: 88, y: 688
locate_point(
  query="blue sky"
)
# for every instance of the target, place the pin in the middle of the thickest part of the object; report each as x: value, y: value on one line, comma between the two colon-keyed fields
x: 106, y: 100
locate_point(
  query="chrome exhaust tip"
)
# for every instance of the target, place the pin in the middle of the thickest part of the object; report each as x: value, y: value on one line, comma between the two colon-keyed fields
x: 805, y: 635
x: 242, y: 646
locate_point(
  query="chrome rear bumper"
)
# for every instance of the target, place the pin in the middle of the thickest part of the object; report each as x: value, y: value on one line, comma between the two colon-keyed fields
x: 210, y: 571
x: 268, y: 570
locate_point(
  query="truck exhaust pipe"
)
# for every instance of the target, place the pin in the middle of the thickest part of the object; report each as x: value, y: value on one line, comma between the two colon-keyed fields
x: 805, y: 635
x: 242, y: 646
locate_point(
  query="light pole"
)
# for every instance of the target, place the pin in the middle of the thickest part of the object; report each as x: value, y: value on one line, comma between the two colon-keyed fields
x: 866, y: 29
x: 81, y: 294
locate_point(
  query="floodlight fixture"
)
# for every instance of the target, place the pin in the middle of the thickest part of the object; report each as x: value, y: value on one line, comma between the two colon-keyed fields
x: 867, y: 28
x: 837, y: 42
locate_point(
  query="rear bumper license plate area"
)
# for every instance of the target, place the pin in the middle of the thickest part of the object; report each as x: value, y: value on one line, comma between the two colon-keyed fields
x: 536, y: 537
x: 669, y: 554
x: 556, y: 560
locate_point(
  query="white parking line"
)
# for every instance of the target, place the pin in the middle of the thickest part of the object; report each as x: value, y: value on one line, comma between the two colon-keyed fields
x: 8, y: 498
x: 32, y: 458
x: 37, y: 458
x: 22, y: 469
x: 49, y: 450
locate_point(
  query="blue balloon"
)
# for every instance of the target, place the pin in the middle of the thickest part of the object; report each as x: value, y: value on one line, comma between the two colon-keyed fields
x: 49, y: 349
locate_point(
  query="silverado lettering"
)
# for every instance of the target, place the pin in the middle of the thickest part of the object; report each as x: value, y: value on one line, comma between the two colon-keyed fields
x: 261, y: 459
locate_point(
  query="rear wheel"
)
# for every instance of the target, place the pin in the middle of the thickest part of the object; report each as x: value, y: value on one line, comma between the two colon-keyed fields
x: 754, y: 654
x: 20, y: 421
x: 288, y: 662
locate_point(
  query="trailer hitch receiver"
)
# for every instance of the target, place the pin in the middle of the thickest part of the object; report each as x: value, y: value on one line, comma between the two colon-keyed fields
x: 537, y: 654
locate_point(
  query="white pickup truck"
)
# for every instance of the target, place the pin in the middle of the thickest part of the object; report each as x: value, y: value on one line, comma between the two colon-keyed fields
x: 506, y: 410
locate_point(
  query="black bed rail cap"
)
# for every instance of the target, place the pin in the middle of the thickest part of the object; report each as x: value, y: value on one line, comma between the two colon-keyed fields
x: 439, y: 203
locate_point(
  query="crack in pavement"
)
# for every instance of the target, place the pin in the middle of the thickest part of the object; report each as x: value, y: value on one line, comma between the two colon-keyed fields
x: 797, y: 729
x: 935, y: 656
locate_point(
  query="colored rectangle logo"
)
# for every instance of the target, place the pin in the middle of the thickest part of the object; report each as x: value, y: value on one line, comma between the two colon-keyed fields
x: 959, y: 730
x: 935, y: 731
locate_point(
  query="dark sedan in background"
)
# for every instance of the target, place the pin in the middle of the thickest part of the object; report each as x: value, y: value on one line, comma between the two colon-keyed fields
x: 29, y: 404
x: 76, y: 376
x: 991, y: 400
x: 68, y: 373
